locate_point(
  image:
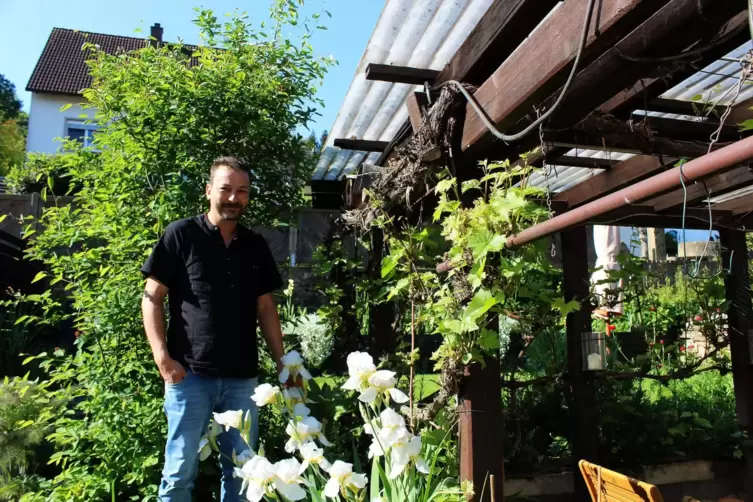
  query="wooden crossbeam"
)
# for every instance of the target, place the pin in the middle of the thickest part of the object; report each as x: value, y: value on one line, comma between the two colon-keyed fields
x: 648, y: 86
x: 538, y: 67
x: 417, y: 103
x: 502, y: 28
x: 587, y: 162
x: 644, y: 215
x: 738, y: 205
x: 626, y: 173
x: 362, y: 145
x: 625, y: 142
x: 678, y: 107
x: 400, y: 74
x: 654, y: 136
x: 674, y: 27
x: 686, y: 130
x: 715, y: 186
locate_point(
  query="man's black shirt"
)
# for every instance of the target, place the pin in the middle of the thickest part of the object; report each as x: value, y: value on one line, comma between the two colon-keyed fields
x: 212, y: 293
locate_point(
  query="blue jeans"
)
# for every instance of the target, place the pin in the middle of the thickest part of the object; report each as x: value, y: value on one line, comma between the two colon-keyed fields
x: 189, y: 405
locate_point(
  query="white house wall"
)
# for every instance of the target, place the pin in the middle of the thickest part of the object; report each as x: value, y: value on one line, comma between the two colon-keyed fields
x: 47, y: 122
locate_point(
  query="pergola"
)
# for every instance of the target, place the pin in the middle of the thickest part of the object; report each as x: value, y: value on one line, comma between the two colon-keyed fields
x: 612, y: 146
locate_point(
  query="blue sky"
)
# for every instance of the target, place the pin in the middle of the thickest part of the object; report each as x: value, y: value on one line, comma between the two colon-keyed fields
x: 26, y: 24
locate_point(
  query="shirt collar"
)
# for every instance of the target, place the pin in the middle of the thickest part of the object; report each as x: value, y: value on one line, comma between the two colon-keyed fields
x: 212, y: 229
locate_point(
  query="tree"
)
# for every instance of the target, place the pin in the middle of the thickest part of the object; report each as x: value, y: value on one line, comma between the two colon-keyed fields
x: 671, y: 237
x: 169, y: 112
x: 10, y: 105
x: 12, y: 145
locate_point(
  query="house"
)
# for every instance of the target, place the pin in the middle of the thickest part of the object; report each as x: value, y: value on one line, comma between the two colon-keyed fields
x: 59, y: 78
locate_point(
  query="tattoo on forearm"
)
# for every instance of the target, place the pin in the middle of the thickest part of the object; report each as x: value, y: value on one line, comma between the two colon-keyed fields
x: 153, y: 299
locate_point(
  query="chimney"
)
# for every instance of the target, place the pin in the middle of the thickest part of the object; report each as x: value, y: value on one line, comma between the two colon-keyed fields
x: 157, y: 34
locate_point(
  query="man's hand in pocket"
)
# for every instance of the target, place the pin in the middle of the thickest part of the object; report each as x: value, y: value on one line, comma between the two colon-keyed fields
x: 171, y: 370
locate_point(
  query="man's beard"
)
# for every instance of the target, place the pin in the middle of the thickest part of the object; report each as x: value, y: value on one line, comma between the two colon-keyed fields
x: 230, y: 211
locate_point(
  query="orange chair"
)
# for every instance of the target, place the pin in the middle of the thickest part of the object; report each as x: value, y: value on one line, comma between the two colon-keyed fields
x: 609, y: 486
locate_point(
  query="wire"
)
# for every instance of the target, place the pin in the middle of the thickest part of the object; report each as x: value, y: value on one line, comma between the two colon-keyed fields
x: 683, y: 55
x: 515, y: 137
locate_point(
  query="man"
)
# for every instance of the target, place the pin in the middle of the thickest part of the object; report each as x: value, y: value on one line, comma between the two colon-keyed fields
x: 219, y: 277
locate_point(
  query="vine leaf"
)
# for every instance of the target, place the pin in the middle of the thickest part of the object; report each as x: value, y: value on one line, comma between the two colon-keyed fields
x: 565, y: 308
x: 482, y: 301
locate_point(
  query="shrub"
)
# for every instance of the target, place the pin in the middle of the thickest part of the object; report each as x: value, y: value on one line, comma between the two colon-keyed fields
x: 24, y: 407
x: 166, y: 120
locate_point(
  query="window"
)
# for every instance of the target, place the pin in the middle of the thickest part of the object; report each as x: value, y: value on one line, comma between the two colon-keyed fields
x: 81, y: 131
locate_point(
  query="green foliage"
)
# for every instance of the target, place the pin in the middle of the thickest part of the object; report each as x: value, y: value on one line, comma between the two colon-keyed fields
x: 17, y: 338
x: 640, y: 423
x: 675, y: 420
x: 12, y: 145
x: 488, y: 282
x: 41, y: 170
x: 314, y: 337
x: 10, y: 105
x: 166, y: 120
x: 25, y: 407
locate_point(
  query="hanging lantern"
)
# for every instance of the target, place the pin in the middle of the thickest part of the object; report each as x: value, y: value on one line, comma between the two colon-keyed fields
x: 594, y: 351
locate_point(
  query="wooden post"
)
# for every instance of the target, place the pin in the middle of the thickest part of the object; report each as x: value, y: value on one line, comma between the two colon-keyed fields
x: 382, y: 315
x: 584, y: 437
x: 416, y: 102
x: 740, y: 321
x: 481, y: 429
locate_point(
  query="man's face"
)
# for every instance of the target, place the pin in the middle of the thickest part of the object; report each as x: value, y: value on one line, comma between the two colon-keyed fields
x: 227, y: 192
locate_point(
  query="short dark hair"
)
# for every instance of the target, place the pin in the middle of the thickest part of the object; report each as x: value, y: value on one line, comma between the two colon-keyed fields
x: 231, y: 162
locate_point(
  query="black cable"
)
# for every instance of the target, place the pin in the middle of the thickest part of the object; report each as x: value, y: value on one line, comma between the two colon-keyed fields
x: 683, y: 55
x: 515, y: 137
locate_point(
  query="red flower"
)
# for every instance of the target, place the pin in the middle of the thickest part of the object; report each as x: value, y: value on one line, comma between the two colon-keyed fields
x: 652, y: 309
x: 718, y: 309
x: 682, y: 348
x: 651, y: 344
x: 691, y: 347
x: 661, y: 342
x: 698, y: 318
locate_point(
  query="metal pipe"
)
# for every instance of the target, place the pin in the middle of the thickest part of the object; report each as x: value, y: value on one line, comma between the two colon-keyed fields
x: 694, y: 170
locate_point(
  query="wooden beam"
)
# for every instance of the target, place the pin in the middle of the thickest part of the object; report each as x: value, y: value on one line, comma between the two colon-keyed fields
x: 500, y: 30
x: 363, y: 145
x: 625, y: 142
x: 625, y: 173
x: 686, y: 130
x: 669, y: 31
x: 644, y: 215
x: 654, y: 83
x: 400, y: 74
x: 740, y: 322
x: 581, y: 391
x: 690, y: 108
x: 480, y: 428
x: 741, y: 112
x: 605, y: 132
x: 713, y: 187
x: 417, y: 103
x: 586, y: 162
x: 739, y: 205
x: 539, y: 65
